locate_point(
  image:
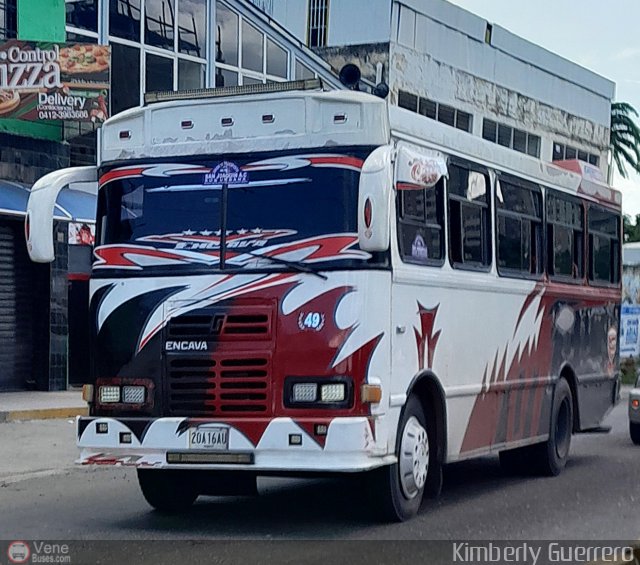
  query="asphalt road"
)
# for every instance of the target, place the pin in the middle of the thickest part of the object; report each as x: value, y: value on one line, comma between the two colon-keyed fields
x: 595, y: 498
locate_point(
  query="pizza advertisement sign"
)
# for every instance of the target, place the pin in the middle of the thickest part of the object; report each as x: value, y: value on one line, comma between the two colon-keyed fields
x: 54, y: 81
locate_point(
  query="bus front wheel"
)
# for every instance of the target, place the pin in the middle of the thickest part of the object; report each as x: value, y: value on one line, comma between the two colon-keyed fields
x: 167, y: 490
x: 397, y: 489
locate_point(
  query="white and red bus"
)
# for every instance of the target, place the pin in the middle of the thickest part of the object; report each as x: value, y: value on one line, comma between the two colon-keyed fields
x: 292, y: 281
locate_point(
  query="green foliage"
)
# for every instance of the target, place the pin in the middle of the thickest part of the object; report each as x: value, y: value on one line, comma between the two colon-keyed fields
x: 625, y: 137
x: 628, y: 370
x: 631, y: 230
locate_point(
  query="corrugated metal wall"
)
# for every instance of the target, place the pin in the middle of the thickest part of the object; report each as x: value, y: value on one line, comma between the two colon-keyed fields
x: 24, y: 313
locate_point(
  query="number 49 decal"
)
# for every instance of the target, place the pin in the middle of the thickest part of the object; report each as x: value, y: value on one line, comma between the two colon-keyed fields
x: 311, y: 321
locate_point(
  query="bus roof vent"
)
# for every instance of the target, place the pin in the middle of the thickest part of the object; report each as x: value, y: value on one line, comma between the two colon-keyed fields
x: 200, y: 93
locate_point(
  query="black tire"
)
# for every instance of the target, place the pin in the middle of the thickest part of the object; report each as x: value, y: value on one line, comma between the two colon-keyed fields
x: 167, y: 490
x: 385, y: 490
x: 552, y: 455
x: 634, y: 432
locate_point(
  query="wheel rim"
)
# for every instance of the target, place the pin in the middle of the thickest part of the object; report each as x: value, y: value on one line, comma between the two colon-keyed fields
x: 563, y: 429
x: 414, y: 458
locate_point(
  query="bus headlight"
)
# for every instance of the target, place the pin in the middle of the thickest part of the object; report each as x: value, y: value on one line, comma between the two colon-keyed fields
x: 331, y: 392
x: 133, y: 394
x: 109, y: 394
x: 304, y: 392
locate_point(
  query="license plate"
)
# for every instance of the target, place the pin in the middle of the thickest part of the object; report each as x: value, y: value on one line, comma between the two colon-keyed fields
x: 209, y: 438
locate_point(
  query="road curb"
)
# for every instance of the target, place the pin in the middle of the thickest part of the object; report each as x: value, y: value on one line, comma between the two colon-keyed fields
x: 43, y: 414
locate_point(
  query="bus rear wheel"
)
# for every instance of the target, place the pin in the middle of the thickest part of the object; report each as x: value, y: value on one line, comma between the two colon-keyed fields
x: 167, y: 490
x: 553, y: 454
x: 397, y: 489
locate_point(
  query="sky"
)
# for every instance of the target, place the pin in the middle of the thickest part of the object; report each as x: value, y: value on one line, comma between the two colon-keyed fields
x: 599, y: 35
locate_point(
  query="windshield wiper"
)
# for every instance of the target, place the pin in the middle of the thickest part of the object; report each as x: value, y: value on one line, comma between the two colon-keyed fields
x: 295, y: 265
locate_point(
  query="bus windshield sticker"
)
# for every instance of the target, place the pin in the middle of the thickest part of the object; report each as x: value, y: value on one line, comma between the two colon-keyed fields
x: 206, y: 239
x: 419, y: 168
x: 226, y: 173
x: 419, y: 248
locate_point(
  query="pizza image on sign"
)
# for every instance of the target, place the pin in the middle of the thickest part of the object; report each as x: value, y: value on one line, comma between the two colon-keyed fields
x: 49, y: 81
x: 9, y: 101
x: 84, y: 59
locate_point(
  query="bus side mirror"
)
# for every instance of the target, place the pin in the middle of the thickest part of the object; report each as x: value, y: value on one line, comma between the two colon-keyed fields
x: 374, y: 200
x: 38, y: 224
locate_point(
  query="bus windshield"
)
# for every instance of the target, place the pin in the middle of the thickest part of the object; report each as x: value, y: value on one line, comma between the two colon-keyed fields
x: 232, y: 212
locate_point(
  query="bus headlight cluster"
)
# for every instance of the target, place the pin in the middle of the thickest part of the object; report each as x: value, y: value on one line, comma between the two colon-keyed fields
x: 109, y: 394
x: 330, y: 393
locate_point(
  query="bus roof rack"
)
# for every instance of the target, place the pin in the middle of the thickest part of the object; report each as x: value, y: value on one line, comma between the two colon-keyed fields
x: 200, y: 93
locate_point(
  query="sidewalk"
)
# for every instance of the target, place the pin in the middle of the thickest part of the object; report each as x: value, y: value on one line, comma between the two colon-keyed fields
x: 35, y: 405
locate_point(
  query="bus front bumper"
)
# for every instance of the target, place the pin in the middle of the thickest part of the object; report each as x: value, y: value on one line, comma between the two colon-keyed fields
x: 277, y: 444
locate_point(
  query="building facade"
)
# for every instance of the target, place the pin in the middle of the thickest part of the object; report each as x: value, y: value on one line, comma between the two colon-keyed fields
x: 183, y: 44
x: 446, y: 63
x: 33, y: 298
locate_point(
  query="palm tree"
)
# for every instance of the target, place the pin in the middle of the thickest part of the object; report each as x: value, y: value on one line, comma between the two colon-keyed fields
x: 625, y: 137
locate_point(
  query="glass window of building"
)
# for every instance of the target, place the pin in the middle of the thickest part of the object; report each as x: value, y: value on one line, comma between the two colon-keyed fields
x: 159, y: 73
x: 192, y: 18
x: 245, y: 55
x: 317, y: 23
x: 225, y: 77
x: 252, y: 48
x: 124, y: 19
x: 81, y: 38
x: 303, y: 72
x: 276, y: 59
x: 190, y: 75
x: 125, y: 76
x: 251, y: 80
x: 8, y: 19
x: 82, y: 14
x: 228, y: 30
x: 159, y: 23
x: 171, y: 43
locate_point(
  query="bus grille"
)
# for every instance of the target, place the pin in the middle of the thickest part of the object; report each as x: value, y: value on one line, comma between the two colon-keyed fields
x: 205, y: 324
x: 219, y: 384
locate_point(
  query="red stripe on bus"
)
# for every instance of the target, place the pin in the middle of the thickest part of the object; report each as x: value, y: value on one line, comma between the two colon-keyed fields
x: 119, y: 173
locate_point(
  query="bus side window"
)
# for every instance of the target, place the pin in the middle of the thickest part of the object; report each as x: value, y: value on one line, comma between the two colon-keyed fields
x: 565, y: 236
x: 519, y: 234
x: 421, y: 224
x: 604, y: 246
x: 469, y: 218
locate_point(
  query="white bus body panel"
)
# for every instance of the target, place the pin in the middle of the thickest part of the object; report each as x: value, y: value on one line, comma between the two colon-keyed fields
x: 42, y: 201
